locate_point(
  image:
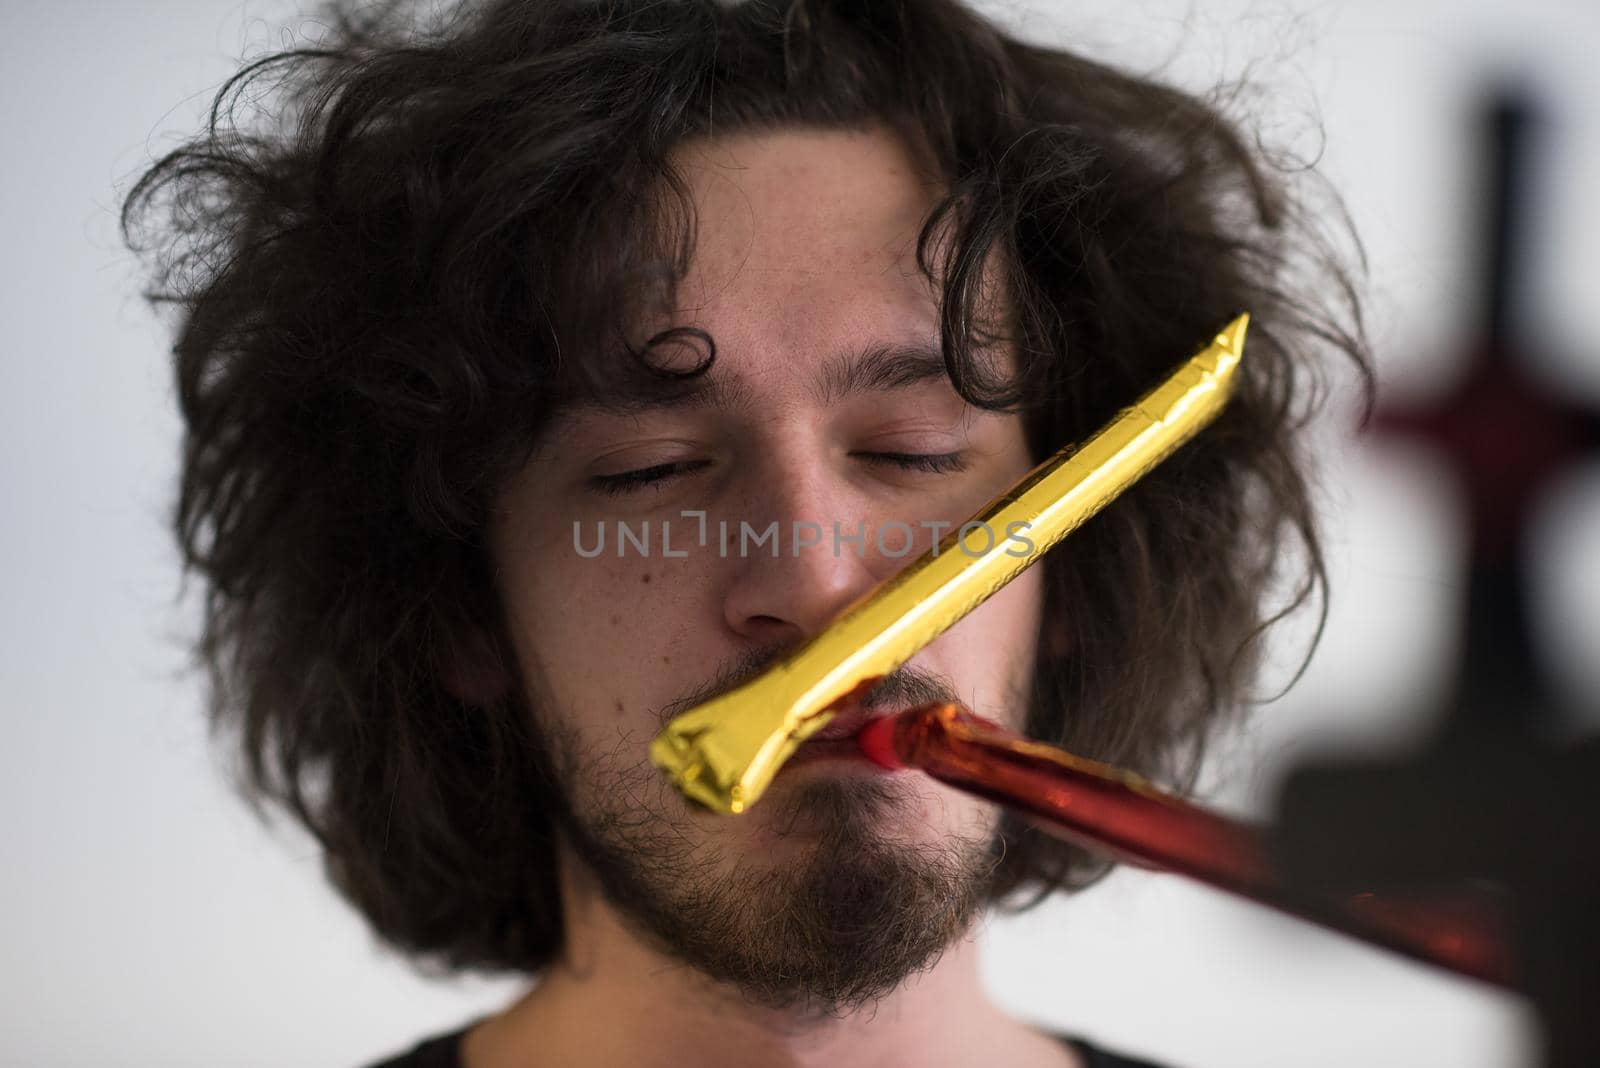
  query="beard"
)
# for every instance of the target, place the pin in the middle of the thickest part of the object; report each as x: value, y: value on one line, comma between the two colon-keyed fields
x: 833, y: 924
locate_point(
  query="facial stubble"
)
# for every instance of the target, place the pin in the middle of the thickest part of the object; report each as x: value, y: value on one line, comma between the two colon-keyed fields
x: 827, y: 925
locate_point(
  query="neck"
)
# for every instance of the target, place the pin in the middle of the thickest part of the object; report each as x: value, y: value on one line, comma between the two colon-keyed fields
x: 611, y: 998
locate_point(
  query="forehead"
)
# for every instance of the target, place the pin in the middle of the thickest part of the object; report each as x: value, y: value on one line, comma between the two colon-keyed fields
x: 814, y: 194
x: 805, y: 244
x: 803, y: 273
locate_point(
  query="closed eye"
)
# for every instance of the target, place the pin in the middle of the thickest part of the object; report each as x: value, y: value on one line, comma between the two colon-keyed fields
x: 932, y: 462
x: 632, y: 481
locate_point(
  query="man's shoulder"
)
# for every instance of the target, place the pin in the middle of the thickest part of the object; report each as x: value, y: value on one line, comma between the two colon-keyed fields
x: 444, y: 1051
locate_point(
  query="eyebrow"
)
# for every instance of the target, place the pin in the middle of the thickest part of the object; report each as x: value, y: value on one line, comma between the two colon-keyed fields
x: 876, y: 368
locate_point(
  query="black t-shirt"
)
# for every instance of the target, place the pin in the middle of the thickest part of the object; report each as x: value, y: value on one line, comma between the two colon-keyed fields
x: 444, y: 1051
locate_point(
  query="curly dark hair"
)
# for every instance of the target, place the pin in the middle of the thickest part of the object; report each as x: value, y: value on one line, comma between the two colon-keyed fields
x: 442, y: 235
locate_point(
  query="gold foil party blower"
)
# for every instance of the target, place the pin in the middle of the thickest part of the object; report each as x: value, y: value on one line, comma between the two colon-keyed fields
x: 725, y: 752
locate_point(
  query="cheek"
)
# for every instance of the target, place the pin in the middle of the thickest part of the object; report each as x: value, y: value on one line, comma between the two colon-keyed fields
x: 574, y: 621
x: 600, y: 638
x: 1018, y: 609
x: 991, y: 652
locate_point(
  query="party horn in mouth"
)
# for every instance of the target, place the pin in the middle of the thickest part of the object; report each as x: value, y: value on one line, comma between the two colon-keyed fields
x: 724, y: 752
x: 1465, y: 928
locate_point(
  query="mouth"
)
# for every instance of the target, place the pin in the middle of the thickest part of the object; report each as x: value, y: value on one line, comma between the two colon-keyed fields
x: 848, y: 720
x: 836, y: 743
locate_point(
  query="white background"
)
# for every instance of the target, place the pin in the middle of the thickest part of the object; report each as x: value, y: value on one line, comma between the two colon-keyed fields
x: 146, y: 919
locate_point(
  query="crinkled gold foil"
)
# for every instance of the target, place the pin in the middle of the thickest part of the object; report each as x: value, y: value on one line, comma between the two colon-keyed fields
x: 724, y: 753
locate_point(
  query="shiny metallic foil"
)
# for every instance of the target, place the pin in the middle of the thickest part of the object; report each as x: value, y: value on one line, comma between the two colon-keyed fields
x: 725, y: 752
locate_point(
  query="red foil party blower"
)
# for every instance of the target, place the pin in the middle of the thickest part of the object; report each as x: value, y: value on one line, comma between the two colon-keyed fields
x: 1111, y: 811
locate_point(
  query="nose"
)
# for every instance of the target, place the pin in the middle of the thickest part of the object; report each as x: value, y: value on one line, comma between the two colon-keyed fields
x: 783, y: 599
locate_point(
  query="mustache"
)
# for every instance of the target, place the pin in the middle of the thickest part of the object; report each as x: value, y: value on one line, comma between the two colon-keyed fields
x: 906, y: 685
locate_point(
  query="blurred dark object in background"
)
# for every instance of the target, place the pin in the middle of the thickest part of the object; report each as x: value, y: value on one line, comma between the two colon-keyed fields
x: 1499, y: 794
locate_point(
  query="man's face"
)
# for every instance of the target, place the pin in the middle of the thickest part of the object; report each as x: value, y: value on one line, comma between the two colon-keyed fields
x: 843, y: 879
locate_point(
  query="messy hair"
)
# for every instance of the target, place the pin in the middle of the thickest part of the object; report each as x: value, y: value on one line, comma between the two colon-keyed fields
x: 448, y: 227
